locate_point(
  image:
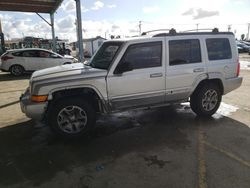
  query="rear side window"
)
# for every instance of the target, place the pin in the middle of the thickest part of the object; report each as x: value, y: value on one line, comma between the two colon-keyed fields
x: 30, y: 53
x: 184, y: 52
x: 218, y: 48
x: 17, y: 54
x: 144, y: 55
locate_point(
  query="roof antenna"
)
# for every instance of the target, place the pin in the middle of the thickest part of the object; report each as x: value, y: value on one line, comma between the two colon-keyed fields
x: 215, y: 30
x: 172, y: 31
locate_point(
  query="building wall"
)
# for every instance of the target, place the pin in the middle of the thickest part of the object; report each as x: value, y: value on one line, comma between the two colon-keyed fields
x: 91, y: 47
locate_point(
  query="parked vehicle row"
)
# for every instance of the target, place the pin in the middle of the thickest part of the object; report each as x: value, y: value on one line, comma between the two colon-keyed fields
x: 20, y: 61
x: 243, y: 46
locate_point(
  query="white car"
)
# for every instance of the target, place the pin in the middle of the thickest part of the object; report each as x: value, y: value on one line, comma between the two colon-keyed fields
x: 31, y: 59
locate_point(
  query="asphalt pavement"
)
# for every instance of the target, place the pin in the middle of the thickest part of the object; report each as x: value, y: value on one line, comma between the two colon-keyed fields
x: 161, y: 147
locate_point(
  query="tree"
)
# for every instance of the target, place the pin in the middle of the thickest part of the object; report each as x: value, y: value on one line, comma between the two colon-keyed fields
x: 242, y: 36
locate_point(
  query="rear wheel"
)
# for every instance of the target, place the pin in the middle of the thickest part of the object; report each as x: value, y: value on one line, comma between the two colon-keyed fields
x: 205, y: 101
x: 16, y: 70
x: 71, y: 118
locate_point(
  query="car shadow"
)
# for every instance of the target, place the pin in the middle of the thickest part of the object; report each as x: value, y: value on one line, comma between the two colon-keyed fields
x: 30, y: 152
x: 9, y: 77
x: 9, y: 104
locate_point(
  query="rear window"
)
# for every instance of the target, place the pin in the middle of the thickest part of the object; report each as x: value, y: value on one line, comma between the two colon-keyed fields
x: 17, y: 54
x: 30, y: 53
x: 218, y: 49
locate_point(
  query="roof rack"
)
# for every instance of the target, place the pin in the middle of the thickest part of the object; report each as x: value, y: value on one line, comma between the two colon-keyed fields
x: 214, y: 30
x: 170, y: 31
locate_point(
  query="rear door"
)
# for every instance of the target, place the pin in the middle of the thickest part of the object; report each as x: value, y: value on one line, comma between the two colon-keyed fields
x: 31, y: 60
x: 185, y: 65
x: 222, y: 55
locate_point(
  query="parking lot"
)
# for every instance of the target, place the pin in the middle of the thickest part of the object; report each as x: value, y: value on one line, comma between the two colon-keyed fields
x: 162, y: 147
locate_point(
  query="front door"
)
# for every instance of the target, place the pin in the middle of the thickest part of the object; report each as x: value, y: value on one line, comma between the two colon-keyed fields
x: 145, y: 84
x: 48, y: 60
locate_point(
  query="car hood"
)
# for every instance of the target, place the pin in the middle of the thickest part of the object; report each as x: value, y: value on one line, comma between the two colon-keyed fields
x: 68, y: 57
x: 67, y: 71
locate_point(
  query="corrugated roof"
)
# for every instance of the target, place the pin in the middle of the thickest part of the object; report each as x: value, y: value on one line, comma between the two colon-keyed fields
x: 39, y: 6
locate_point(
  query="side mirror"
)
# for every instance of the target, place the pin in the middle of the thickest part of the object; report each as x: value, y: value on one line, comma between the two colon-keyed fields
x: 123, y: 67
x: 54, y: 56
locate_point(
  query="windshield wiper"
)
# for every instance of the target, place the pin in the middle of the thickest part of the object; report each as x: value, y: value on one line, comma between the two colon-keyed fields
x: 88, y: 63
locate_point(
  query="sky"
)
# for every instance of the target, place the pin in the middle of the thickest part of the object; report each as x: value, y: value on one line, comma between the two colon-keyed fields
x: 118, y: 17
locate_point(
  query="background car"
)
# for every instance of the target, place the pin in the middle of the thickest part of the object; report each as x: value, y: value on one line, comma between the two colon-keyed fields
x: 245, y: 42
x: 248, y: 44
x: 31, y: 59
x: 242, y: 47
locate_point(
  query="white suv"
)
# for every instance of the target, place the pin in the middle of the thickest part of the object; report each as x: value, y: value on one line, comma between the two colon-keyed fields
x: 147, y: 71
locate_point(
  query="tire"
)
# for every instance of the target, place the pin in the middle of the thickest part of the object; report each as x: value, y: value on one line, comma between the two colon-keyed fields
x: 16, y: 70
x: 71, y: 117
x: 206, y: 99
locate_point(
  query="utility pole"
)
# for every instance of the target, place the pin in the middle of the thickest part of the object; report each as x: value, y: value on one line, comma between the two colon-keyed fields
x: 197, y: 27
x: 79, y: 30
x: 229, y: 28
x: 140, y: 27
x: 0, y: 27
x: 2, y: 45
x: 248, y: 31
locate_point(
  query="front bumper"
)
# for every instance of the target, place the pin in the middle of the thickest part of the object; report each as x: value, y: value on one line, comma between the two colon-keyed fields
x: 32, y: 110
x: 232, y: 84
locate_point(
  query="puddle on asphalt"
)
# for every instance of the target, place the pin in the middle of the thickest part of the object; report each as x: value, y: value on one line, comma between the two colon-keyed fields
x: 110, y: 124
x: 224, y: 109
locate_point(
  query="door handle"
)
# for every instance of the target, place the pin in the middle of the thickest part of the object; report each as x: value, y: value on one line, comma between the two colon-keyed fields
x: 155, y: 75
x: 199, y: 70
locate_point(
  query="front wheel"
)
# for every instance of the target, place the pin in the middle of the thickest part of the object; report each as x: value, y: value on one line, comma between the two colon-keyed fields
x: 71, y: 118
x: 205, y: 101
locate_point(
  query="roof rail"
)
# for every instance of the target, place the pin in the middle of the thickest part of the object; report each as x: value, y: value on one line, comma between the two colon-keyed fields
x: 170, y: 31
x: 214, y: 30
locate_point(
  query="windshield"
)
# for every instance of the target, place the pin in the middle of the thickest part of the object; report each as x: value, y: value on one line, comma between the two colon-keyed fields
x: 105, y: 55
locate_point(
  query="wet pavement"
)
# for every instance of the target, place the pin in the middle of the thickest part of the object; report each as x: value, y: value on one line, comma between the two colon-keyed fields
x: 161, y: 147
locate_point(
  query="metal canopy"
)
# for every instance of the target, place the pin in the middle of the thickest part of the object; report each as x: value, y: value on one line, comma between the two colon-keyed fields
x: 45, y: 6
x: 40, y: 6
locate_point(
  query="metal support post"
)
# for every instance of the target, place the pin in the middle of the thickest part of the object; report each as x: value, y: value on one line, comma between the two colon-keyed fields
x: 79, y: 30
x: 53, y: 32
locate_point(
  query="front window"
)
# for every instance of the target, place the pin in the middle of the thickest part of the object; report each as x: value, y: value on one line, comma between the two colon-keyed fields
x: 144, y: 55
x: 44, y: 54
x: 105, y: 55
